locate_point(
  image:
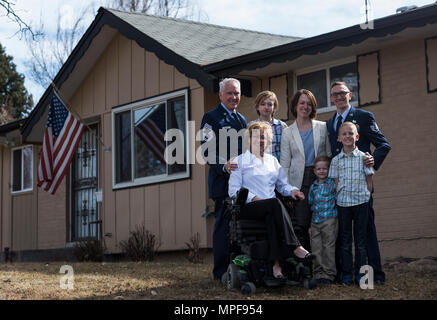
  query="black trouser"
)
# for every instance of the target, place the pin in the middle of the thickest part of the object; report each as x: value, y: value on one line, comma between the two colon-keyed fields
x: 270, y: 210
x: 373, y: 254
x: 220, y: 240
x: 303, y: 211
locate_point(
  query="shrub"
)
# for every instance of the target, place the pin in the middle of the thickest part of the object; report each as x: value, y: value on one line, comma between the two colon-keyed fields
x: 142, y: 245
x: 89, y: 249
x: 194, y: 249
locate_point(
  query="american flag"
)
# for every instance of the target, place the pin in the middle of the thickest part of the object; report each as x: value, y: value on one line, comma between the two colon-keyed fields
x: 61, y: 137
x: 151, y: 132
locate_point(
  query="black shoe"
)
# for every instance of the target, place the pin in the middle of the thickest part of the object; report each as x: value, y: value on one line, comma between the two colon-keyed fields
x: 379, y: 282
x: 347, y: 283
x: 224, y: 278
x: 308, y: 258
x: 324, y: 281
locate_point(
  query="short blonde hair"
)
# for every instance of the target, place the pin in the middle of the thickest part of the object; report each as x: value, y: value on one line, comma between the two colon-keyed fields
x: 263, y: 96
x: 348, y: 124
x: 263, y: 126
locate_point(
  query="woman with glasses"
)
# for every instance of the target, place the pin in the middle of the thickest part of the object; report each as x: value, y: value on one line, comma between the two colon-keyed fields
x: 301, y: 143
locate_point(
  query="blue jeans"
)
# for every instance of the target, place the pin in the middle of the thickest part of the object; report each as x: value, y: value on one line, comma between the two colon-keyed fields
x: 353, y: 218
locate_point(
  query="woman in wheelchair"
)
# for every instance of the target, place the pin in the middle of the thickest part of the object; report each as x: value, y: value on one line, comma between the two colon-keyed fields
x: 261, y: 173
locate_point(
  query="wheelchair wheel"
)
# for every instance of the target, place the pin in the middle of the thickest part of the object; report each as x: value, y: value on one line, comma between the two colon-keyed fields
x: 248, y: 288
x: 309, y: 283
x: 232, y: 275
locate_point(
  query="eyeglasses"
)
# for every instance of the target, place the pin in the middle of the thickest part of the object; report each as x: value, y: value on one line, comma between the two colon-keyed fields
x: 339, y: 94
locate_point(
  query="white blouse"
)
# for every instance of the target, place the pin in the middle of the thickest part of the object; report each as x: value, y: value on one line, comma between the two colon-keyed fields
x: 259, y: 177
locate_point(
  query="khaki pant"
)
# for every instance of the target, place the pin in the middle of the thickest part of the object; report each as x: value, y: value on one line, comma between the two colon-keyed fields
x: 323, y: 237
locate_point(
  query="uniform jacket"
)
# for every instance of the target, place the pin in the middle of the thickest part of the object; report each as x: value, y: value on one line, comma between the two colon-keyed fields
x: 293, y: 153
x: 369, y: 134
x: 212, y: 122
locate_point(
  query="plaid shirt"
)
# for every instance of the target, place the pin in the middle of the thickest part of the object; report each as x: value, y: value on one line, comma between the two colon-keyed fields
x: 351, y: 174
x: 321, y: 197
x: 277, y: 127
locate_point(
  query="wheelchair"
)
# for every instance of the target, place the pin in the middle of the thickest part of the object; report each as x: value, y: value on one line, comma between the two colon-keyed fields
x: 249, y: 266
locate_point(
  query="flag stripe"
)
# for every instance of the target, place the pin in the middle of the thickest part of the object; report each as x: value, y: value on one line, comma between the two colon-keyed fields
x: 153, y: 138
x: 61, y: 138
x: 66, y: 164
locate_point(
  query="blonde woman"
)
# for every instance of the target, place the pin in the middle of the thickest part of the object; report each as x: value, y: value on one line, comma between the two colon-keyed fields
x: 260, y: 173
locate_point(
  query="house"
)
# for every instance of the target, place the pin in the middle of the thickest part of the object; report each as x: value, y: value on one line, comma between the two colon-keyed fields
x: 132, y: 77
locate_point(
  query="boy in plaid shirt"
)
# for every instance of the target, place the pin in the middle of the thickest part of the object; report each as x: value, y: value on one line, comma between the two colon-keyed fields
x: 324, y: 225
x: 354, y: 184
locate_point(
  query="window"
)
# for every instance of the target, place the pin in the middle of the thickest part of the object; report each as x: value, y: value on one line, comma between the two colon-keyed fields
x: 22, y: 169
x: 139, y: 140
x: 318, y: 80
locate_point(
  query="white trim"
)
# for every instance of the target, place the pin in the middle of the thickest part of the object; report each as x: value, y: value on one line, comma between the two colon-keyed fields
x: 138, y: 105
x: 22, y: 170
x: 325, y: 66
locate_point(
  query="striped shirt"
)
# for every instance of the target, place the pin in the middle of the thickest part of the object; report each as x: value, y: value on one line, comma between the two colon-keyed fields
x: 321, y: 197
x: 277, y: 127
x: 351, y: 174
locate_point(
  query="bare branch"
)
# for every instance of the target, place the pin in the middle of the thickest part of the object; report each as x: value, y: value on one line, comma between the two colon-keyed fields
x: 24, y: 28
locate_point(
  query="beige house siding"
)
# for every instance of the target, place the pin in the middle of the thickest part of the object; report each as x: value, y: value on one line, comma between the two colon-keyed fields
x: 126, y: 73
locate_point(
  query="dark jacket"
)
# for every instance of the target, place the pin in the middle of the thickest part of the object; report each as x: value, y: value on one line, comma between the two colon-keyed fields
x: 369, y: 134
x: 212, y: 122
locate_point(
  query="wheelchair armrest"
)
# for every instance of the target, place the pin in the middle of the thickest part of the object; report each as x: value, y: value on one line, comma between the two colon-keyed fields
x: 286, y: 199
x: 241, y: 196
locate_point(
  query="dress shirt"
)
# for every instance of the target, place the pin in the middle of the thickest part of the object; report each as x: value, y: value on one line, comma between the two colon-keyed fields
x: 321, y: 197
x: 259, y: 177
x: 351, y: 174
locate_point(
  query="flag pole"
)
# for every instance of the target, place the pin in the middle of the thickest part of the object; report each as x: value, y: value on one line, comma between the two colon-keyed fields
x: 105, y: 148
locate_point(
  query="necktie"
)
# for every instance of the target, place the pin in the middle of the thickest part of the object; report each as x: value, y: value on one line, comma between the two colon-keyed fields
x: 234, y: 115
x: 339, y: 122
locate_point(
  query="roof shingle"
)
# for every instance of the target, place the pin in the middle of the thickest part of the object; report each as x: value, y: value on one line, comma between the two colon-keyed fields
x: 201, y: 43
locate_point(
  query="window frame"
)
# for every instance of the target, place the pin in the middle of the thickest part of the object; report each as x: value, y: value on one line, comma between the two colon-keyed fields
x: 22, y: 170
x: 326, y: 66
x: 136, y: 182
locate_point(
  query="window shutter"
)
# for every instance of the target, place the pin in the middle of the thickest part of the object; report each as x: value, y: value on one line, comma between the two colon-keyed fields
x: 431, y: 64
x: 369, y: 79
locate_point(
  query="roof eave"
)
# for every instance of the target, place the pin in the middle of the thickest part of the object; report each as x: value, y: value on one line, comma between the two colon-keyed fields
x: 105, y: 17
x: 325, y: 42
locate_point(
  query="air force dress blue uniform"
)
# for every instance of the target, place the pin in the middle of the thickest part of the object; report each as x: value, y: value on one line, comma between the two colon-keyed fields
x: 212, y: 122
x: 369, y: 134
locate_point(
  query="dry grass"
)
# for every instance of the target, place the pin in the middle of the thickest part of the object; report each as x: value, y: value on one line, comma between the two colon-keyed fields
x: 184, y: 280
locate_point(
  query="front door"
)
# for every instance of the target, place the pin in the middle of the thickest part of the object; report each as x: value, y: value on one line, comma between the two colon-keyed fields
x: 84, y: 220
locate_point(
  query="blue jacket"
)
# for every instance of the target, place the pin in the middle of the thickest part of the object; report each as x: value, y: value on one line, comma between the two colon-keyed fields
x: 215, y: 120
x: 369, y: 134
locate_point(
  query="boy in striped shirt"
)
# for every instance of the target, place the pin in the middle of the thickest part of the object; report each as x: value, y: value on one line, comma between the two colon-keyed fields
x: 354, y: 184
x: 324, y: 225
